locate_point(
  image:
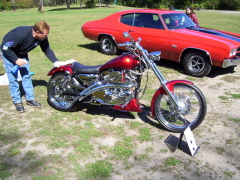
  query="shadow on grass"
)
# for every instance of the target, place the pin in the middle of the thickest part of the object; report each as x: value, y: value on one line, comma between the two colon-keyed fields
x: 91, y: 46
x: 35, y: 84
x: 96, y: 47
x: 39, y: 83
x: 107, y: 111
x: 216, y: 71
x: 171, y: 65
x: 144, y: 116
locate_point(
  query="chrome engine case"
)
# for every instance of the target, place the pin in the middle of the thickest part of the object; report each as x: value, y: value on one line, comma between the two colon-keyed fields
x: 114, y: 95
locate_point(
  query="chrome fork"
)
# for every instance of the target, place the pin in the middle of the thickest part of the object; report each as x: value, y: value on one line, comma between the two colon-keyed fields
x: 162, y: 80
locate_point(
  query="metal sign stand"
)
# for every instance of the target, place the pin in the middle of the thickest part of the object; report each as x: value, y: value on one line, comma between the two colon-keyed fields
x: 188, y: 147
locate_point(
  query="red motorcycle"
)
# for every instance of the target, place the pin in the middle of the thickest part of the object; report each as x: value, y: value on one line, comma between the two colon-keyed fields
x: 176, y: 104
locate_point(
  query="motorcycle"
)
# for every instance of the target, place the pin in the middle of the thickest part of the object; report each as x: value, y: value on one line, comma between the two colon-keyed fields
x: 176, y: 104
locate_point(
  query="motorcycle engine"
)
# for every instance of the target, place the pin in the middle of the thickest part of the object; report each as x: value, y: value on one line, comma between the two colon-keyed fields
x: 114, y: 95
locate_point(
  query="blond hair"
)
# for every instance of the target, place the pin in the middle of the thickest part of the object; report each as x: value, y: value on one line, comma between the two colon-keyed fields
x: 41, y: 26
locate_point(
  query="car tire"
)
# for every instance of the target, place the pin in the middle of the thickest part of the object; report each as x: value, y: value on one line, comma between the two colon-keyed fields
x: 108, y: 46
x: 197, y: 64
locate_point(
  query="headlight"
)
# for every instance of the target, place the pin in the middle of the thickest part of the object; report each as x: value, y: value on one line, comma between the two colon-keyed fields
x: 233, y: 52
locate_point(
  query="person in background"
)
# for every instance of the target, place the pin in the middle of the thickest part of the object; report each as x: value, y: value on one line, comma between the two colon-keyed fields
x: 15, y: 47
x: 191, y: 14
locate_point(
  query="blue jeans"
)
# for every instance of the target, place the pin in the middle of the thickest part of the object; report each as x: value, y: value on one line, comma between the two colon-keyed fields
x: 14, y: 84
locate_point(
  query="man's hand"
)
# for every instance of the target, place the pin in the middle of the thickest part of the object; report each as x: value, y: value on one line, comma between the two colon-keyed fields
x: 21, y: 62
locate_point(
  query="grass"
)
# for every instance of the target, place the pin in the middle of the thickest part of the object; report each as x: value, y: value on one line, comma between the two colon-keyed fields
x: 93, y: 143
x: 229, y: 174
x: 237, y: 120
x: 171, y: 161
x: 100, y: 169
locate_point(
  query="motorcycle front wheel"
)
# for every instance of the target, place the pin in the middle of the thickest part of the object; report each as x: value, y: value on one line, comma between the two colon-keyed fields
x: 192, y: 110
x: 62, y: 97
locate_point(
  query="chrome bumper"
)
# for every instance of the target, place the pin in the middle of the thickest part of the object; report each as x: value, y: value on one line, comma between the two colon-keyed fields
x: 229, y: 62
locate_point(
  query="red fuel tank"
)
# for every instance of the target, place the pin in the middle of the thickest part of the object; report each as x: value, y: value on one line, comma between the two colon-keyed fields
x: 123, y: 61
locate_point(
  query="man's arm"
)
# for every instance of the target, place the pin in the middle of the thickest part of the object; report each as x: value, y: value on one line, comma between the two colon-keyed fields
x: 48, y: 51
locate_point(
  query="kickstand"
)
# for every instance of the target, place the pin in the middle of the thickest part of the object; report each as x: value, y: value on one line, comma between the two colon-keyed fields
x: 188, y: 147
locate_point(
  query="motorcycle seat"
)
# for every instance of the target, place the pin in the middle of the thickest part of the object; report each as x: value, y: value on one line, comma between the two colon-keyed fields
x: 79, y: 68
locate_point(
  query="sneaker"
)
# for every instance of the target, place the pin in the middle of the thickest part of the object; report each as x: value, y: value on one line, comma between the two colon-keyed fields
x: 19, y: 107
x: 34, y: 103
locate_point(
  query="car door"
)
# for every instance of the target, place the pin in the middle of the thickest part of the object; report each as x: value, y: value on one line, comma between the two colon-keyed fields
x: 150, y: 29
x: 178, y: 38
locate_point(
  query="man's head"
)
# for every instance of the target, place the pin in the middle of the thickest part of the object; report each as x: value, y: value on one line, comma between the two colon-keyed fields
x: 41, y: 30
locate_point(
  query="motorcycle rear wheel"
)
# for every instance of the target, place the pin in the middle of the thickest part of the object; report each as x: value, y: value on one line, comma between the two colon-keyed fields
x: 192, y: 104
x: 56, y: 97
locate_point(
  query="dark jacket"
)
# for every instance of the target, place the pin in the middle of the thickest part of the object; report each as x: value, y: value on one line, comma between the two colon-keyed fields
x: 19, y: 41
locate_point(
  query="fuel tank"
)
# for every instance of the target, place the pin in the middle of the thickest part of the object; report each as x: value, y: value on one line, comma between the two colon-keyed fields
x: 123, y: 61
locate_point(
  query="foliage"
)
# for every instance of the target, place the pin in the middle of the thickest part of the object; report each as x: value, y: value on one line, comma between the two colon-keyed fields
x: 24, y: 3
x: 211, y: 4
x: 229, y: 4
x: 182, y: 4
x: 90, y: 4
x: 5, y: 5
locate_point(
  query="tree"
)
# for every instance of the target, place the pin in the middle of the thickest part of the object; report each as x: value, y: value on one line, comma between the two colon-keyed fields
x: 13, y: 4
x: 68, y: 2
x: 81, y: 2
x: 90, y: 4
x: 107, y: 2
x: 40, y: 8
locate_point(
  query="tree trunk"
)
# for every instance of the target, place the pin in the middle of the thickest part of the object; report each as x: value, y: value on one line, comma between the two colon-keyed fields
x: 14, y: 7
x: 99, y: 3
x: 40, y: 8
x: 106, y: 3
x: 68, y: 2
x: 81, y: 1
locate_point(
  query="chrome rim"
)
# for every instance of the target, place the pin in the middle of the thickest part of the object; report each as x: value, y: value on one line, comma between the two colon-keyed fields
x: 106, y: 45
x: 196, y: 64
x: 190, y: 108
x: 58, y: 93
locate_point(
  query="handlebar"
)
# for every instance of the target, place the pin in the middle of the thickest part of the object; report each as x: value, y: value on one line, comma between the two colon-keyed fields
x: 133, y: 45
x: 124, y: 44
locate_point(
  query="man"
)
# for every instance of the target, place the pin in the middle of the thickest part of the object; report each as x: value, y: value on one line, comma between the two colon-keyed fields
x: 15, y: 47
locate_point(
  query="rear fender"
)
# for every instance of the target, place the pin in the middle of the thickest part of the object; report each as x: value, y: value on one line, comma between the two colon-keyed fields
x: 161, y: 90
x: 60, y: 69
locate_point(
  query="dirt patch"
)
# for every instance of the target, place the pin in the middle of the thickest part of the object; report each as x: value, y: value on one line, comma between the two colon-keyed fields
x: 218, y: 137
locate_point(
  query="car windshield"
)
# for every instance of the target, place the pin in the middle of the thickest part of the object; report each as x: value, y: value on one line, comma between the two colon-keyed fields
x: 178, y: 21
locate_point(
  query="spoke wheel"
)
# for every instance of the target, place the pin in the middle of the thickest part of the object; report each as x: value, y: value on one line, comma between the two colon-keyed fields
x: 192, y: 108
x: 60, y: 97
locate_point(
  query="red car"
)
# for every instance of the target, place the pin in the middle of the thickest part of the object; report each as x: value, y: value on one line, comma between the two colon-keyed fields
x: 171, y: 32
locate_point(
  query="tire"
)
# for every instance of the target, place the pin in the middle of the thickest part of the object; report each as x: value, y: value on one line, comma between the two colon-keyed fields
x: 197, y: 64
x: 108, y: 46
x: 193, y: 108
x: 56, y: 97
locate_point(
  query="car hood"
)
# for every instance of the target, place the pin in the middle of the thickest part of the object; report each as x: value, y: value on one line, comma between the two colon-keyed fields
x: 212, y: 33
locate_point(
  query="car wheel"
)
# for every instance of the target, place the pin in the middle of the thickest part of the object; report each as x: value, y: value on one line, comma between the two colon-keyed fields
x: 197, y: 64
x: 108, y: 46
